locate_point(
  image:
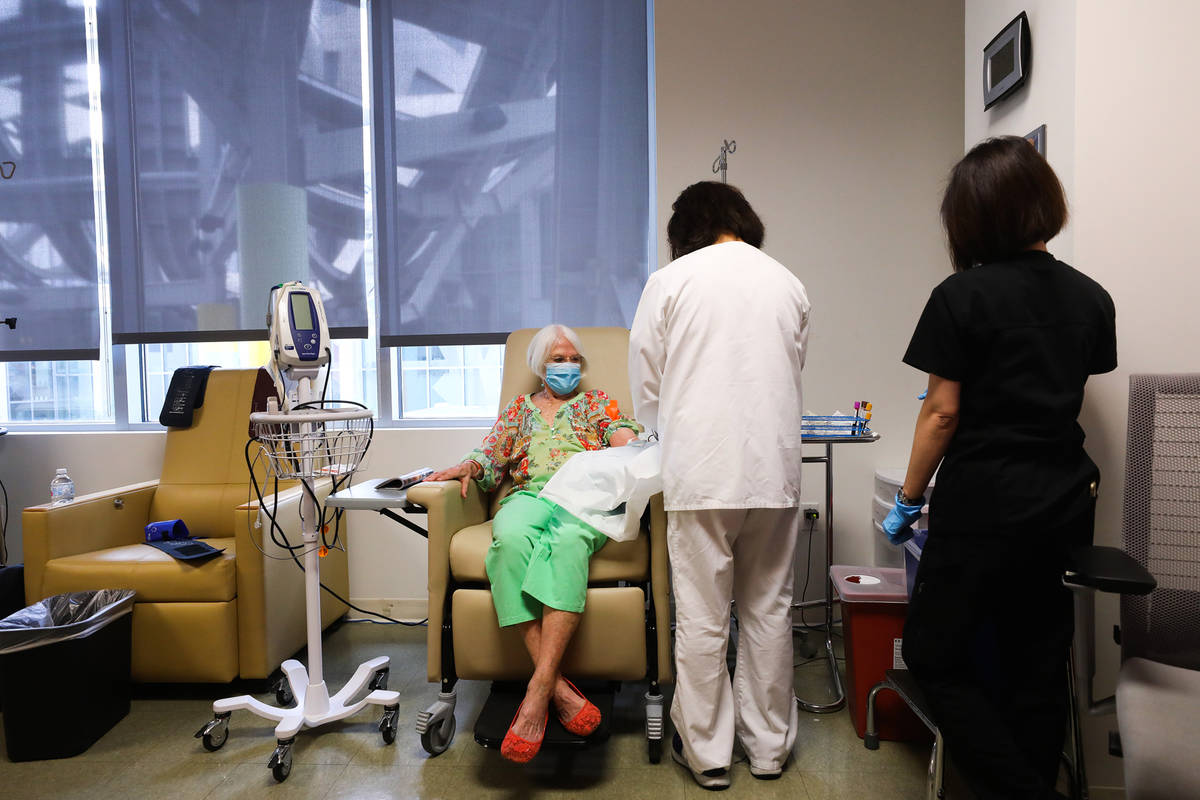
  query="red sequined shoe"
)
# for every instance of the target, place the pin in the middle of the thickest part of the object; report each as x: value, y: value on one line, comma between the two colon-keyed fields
x: 587, y: 720
x: 518, y: 750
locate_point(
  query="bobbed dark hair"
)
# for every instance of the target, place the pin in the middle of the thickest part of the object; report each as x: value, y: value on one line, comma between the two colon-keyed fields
x: 1001, y: 198
x: 704, y: 211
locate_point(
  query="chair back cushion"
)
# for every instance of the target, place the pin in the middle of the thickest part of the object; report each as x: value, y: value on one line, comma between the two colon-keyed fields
x: 606, y: 354
x: 204, y: 474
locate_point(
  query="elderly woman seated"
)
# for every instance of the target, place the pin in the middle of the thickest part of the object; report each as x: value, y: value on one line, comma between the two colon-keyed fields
x: 538, y: 561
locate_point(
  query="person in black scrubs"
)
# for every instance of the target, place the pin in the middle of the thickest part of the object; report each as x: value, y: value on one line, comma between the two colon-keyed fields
x: 1008, y: 342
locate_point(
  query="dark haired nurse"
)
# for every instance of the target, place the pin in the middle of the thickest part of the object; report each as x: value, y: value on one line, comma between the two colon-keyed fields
x: 1009, y: 341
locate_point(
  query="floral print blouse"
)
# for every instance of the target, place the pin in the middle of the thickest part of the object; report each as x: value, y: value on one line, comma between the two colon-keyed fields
x: 523, y: 445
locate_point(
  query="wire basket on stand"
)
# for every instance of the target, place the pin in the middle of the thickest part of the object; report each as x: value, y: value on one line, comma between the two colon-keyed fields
x: 313, y: 442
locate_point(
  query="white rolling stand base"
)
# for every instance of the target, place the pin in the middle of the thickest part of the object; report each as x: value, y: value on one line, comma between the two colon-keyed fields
x: 314, y: 707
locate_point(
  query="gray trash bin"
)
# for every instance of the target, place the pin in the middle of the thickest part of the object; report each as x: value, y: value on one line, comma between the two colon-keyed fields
x: 64, y: 672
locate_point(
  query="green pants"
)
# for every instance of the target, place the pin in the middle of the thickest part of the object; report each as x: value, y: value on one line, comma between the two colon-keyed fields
x: 539, y: 557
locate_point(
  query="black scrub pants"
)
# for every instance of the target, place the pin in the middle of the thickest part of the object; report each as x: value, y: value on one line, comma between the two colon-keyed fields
x: 987, y: 636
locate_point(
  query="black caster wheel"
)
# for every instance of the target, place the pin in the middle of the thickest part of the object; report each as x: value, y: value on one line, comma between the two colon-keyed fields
x: 379, y: 681
x: 283, y: 693
x: 390, y: 723
x: 438, y: 737
x: 216, y: 740
x: 654, y: 748
x: 281, y: 761
x: 215, y: 733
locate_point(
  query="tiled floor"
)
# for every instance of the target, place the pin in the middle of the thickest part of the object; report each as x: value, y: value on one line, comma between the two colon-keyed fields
x: 151, y: 753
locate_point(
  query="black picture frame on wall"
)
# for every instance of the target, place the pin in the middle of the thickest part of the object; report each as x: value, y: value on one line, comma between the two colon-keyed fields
x: 1037, y: 138
x: 1007, y: 59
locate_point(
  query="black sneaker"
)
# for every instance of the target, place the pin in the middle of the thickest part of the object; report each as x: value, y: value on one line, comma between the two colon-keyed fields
x: 712, y: 779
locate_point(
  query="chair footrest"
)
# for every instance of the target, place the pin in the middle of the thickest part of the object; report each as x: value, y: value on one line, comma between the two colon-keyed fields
x: 501, y: 706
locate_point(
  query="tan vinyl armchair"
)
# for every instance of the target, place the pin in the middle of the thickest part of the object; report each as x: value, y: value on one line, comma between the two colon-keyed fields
x: 238, y: 614
x: 624, y: 634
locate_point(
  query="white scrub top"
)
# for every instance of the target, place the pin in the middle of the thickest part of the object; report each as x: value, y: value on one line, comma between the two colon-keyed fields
x: 715, y: 355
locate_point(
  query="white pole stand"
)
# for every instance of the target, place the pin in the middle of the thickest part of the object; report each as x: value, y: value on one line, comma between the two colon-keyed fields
x: 313, y: 705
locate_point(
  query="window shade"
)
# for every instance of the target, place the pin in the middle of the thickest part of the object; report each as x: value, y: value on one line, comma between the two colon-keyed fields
x: 520, y: 166
x: 247, y: 132
x: 48, y: 264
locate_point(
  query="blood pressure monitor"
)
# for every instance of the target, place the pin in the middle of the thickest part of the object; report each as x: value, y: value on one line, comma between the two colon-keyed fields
x: 298, y: 332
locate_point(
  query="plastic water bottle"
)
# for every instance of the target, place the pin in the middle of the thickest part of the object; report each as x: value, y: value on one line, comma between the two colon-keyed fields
x: 62, y: 488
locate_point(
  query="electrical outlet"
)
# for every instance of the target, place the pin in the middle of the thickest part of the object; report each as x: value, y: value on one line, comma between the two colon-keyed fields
x: 810, y: 511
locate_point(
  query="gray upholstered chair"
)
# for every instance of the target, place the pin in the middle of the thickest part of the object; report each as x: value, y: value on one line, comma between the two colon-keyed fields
x: 1158, y: 690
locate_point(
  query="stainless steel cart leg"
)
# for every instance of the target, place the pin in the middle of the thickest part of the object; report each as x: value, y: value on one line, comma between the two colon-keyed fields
x: 839, y: 694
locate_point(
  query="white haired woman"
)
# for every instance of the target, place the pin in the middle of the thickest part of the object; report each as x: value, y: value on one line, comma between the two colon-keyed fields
x: 538, y: 561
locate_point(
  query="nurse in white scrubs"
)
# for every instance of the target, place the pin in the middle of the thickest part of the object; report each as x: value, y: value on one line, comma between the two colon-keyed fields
x: 716, y: 351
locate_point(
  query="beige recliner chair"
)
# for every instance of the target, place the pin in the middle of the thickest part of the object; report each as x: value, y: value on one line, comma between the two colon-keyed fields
x: 624, y: 634
x: 238, y: 614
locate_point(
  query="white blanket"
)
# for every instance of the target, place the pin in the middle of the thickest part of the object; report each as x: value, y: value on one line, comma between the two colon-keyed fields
x: 609, y: 489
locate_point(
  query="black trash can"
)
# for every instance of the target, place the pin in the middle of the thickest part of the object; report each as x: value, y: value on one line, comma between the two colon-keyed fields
x: 12, y: 589
x: 64, y: 672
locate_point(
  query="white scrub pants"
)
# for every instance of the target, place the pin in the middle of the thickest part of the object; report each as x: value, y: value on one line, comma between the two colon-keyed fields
x: 744, y: 555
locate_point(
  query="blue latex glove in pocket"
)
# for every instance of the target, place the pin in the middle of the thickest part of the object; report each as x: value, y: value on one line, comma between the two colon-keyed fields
x: 897, y: 525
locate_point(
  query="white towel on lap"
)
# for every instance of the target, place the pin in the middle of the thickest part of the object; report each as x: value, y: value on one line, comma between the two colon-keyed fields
x: 609, y: 489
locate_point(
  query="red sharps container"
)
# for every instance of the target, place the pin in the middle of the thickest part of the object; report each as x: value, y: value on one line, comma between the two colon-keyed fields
x: 874, y: 605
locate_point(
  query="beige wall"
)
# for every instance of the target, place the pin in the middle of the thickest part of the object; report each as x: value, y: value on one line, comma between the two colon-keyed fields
x: 94, y: 460
x: 847, y: 117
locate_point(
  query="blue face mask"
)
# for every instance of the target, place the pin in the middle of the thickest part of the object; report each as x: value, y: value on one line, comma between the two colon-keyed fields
x: 562, y: 378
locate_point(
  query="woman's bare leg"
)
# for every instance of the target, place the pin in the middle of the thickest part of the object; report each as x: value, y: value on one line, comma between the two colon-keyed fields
x: 547, y: 640
x: 566, y: 700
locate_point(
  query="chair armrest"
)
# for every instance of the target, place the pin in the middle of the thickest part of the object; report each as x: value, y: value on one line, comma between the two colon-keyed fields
x: 448, y: 511
x: 91, y: 522
x: 288, y: 492
x: 448, y: 514
x: 1108, y: 569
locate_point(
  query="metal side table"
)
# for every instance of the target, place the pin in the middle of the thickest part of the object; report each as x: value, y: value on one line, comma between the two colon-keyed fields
x: 839, y: 693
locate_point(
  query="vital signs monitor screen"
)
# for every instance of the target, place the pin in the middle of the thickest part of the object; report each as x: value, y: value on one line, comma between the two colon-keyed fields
x: 301, y: 312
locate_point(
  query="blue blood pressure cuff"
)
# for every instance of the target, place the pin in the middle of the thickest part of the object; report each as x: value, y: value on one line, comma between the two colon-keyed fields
x: 166, y: 530
x: 172, y: 537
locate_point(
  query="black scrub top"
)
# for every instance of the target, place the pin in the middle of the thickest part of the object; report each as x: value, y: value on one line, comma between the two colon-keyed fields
x: 1021, y: 336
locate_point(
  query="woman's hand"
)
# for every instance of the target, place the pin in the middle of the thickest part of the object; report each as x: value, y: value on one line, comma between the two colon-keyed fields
x: 463, y: 473
x: 899, y: 521
x: 621, y: 437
